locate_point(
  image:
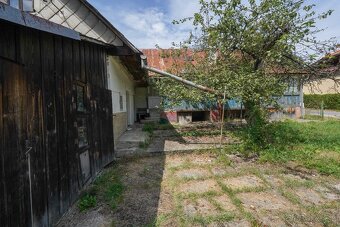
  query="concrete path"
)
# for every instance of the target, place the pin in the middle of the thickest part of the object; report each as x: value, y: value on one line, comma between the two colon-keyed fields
x: 131, y: 142
x: 137, y: 142
x: 327, y: 113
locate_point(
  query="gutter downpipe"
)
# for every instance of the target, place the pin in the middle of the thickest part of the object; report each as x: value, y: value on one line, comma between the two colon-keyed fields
x: 184, y: 81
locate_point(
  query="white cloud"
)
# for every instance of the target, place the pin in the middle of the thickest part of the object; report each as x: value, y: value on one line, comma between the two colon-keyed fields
x: 147, y: 26
x: 179, y: 9
x: 151, y: 26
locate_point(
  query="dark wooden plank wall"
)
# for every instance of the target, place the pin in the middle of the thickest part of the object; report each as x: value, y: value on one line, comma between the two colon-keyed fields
x: 38, y: 77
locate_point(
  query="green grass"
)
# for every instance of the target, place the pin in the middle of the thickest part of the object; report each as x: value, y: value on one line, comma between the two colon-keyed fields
x: 149, y: 127
x: 86, y: 202
x: 314, y: 145
x: 107, y: 188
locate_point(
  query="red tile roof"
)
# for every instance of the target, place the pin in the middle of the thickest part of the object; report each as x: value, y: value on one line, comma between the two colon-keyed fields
x: 168, y: 59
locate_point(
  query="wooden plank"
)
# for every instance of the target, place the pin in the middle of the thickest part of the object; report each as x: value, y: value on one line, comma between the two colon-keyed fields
x: 82, y: 62
x: 120, y: 51
x: 3, y: 205
x: 13, y: 140
x: 104, y: 66
x: 30, y: 46
x: 50, y: 137
x: 71, y: 120
x: 64, y: 185
x: 76, y: 60
x: 87, y: 62
x: 7, y: 40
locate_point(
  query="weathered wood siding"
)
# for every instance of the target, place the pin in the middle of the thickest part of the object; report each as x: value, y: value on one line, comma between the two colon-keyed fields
x: 39, y: 74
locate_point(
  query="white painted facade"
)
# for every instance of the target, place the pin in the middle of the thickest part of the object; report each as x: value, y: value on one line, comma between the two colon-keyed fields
x: 123, y: 89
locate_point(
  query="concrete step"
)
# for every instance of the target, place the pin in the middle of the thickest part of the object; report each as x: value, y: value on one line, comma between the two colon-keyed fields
x: 154, y: 115
x: 150, y: 120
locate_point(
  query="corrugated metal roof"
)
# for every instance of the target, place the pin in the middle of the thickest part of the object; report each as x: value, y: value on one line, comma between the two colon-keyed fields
x: 82, y: 17
x: 10, y: 14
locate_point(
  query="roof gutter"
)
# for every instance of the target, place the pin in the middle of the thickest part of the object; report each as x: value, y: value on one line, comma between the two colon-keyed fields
x: 172, y: 76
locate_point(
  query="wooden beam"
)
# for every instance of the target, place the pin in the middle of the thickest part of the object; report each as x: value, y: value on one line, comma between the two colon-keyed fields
x: 120, y: 51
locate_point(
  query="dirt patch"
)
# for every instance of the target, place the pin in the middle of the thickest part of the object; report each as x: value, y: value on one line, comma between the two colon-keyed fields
x: 270, y: 220
x: 222, y: 171
x: 165, y: 203
x: 269, y: 201
x: 225, y: 203
x: 273, y: 181
x: 192, y: 173
x: 174, y: 160
x: 234, y: 223
x: 171, y: 144
x: 328, y: 194
x: 202, y: 159
x: 309, y: 196
x: 293, y: 177
x: 99, y: 216
x: 337, y: 187
x: 199, y: 186
x: 334, y: 214
x: 142, y: 198
x: 200, y: 207
x: 243, y: 182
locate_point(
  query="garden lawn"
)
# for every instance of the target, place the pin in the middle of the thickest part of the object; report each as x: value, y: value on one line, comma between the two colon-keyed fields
x: 315, y: 145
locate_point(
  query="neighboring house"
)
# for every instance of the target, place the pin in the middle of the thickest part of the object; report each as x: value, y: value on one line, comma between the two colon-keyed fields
x: 329, y: 64
x: 170, y: 60
x: 57, y: 110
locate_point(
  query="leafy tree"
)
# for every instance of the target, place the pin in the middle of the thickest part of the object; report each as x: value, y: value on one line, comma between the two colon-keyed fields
x: 250, y: 48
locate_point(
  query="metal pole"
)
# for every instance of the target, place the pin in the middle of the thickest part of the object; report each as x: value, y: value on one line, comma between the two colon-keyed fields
x: 184, y: 81
x: 222, y: 117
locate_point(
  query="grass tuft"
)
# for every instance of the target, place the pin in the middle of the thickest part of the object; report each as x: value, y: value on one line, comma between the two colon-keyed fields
x: 86, y: 202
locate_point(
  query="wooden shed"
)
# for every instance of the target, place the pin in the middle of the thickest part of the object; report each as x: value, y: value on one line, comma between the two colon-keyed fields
x: 56, y: 129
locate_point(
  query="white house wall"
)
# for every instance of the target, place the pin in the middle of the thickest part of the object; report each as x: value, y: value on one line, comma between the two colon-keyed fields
x: 122, y: 85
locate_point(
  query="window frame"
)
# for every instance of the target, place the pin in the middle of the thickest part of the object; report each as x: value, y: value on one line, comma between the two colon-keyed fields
x: 83, y: 85
x: 121, y: 102
x: 20, y: 5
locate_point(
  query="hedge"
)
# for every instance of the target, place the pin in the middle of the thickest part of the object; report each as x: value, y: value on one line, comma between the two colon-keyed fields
x: 331, y: 101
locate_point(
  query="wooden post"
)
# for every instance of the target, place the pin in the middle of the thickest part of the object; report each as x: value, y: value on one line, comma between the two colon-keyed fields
x: 222, y: 118
x: 322, y: 110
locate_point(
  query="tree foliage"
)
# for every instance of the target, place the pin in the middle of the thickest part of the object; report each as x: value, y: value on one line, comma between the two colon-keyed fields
x: 249, y: 48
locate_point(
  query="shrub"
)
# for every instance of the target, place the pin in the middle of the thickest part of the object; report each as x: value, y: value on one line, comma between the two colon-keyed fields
x: 331, y: 101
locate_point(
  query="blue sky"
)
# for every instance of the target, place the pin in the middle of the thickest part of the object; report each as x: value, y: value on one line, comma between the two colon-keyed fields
x: 148, y: 22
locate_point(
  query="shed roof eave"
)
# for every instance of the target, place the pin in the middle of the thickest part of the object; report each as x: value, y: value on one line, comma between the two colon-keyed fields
x: 13, y: 15
x: 108, y: 24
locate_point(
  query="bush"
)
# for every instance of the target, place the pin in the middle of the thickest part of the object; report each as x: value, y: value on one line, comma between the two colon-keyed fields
x: 331, y: 101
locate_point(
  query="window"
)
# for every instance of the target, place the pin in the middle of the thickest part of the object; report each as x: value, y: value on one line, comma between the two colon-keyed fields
x: 82, y: 132
x: 25, y: 5
x: 81, y: 98
x: 121, y: 102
